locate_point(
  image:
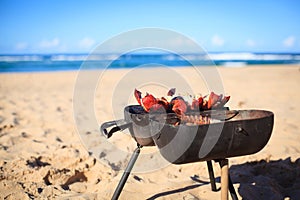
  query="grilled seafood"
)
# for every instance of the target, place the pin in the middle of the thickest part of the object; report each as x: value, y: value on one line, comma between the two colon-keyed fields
x: 178, y: 104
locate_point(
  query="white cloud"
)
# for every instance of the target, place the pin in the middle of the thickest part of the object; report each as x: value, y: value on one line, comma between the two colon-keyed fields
x: 217, y: 40
x: 289, y: 41
x: 49, y: 43
x: 250, y: 43
x: 21, y: 46
x: 86, y: 43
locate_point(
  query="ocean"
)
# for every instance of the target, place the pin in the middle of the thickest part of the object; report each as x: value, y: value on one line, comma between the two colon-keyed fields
x: 65, y: 62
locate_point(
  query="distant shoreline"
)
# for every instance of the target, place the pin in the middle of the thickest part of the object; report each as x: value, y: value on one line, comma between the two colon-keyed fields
x: 67, y: 62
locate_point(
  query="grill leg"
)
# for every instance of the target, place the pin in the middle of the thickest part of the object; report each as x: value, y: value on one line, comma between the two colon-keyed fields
x: 224, y: 179
x: 211, y: 175
x: 226, y: 182
x: 231, y: 189
x: 126, y: 173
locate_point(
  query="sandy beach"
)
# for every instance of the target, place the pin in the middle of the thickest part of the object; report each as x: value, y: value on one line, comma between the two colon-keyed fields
x: 43, y: 157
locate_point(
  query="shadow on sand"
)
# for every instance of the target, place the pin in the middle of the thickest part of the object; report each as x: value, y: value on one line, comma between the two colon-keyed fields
x: 259, y: 180
x: 194, y: 178
x: 276, y: 179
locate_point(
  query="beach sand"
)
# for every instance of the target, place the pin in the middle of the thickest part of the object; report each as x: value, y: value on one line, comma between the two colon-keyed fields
x: 42, y: 155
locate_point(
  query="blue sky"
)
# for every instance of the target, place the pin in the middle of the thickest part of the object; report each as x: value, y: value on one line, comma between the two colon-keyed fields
x: 60, y: 26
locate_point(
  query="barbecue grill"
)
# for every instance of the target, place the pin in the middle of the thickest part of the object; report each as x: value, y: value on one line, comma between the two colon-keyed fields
x: 230, y: 133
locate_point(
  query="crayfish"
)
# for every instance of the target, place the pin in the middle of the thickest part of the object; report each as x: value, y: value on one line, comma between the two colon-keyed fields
x: 178, y: 104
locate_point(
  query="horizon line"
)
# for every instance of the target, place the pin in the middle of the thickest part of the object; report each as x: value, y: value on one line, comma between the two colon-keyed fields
x: 151, y: 53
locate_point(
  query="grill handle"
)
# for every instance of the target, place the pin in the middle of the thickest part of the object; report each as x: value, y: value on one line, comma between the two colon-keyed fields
x: 235, y: 113
x: 116, y: 125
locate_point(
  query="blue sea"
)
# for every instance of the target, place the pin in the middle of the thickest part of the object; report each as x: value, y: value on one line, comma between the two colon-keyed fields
x: 65, y: 62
